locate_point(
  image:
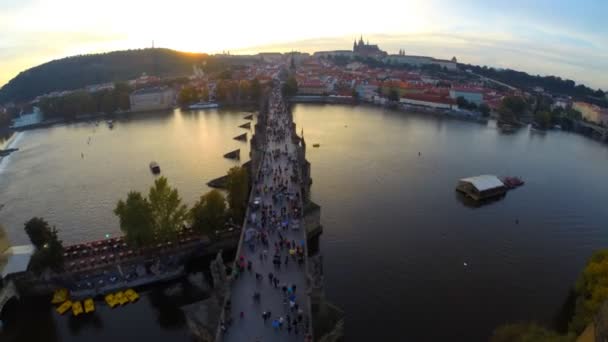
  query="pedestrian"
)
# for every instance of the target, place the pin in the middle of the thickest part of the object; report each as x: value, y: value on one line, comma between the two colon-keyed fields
x: 264, y: 316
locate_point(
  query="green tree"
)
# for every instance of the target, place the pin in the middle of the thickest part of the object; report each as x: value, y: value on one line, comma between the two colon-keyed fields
x: 543, y: 119
x: 527, y: 332
x: 187, y: 96
x: 49, y: 249
x: 393, y: 95
x: 168, y: 212
x: 4, y: 243
x: 256, y: 90
x: 484, y: 109
x: 136, y: 220
x: 512, y: 108
x: 209, y: 213
x: 462, y: 102
x: 591, y: 291
x: 290, y: 87
x: 204, y: 93
x: 238, y: 190
x: 39, y: 231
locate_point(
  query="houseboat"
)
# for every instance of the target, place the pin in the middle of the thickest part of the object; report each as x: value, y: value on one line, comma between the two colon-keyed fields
x: 481, y: 187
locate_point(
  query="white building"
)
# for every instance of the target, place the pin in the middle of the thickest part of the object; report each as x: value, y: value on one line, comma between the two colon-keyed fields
x: 431, y: 101
x: 26, y: 120
x: 367, y: 92
x: 470, y: 94
x: 156, y: 98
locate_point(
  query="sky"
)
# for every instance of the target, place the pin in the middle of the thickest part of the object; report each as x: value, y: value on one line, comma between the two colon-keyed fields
x: 547, y: 37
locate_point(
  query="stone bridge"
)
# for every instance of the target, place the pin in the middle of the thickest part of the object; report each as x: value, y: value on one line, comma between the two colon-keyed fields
x: 274, y: 238
x: 8, y: 292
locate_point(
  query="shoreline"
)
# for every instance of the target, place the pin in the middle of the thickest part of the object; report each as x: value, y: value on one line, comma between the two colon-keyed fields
x: 10, y: 143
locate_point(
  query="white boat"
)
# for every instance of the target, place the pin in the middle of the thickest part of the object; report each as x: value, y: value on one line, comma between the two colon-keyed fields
x: 203, y: 105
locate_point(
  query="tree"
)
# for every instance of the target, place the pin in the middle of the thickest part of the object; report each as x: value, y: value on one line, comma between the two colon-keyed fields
x: 256, y: 90
x: 39, y: 231
x: 484, y: 109
x: 543, y: 119
x: 4, y: 244
x: 49, y: 249
x: 187, y: 96
x: 512, y: 108
x: 238, y: 191
x: 136, y: 220
x: 290, y: 88
x: 393, y: 95
x: 591, y: 291
x: 527, y: 332
x: 209, y: 213
x: 462, y: 102
x: 168, y: 212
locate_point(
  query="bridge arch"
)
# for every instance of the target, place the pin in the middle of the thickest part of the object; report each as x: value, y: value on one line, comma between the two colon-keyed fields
x: 9, y: 298
x: 8, y: 310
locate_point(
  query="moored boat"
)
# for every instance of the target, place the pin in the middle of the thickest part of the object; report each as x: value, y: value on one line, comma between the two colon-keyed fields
x: 512, y: 182
x: 77, y: 308
x: 131, y: 295
x: 63, y: 308
x: 111, y: 301
x: 203, y: 105
x: 89, y: 305
x: 59, y: 296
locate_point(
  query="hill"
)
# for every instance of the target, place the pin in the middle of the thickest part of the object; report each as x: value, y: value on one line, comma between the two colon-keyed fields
x: 553, y: 84
x: 78, y: 71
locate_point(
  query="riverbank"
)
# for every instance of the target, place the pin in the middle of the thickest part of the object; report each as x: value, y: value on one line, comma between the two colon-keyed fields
x: 346, y: 100
x: 9, y: 144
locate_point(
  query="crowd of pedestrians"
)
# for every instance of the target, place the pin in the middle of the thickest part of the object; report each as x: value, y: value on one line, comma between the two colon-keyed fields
x: 271, y: 263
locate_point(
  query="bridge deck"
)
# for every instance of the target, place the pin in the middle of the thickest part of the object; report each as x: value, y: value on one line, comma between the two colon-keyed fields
x: 252, y: 326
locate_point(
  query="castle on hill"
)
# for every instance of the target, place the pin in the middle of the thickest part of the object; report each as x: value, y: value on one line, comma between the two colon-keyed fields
x: 363, y: 49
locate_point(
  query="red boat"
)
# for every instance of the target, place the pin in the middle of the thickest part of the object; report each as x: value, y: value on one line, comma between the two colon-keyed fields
x: 512, y: 182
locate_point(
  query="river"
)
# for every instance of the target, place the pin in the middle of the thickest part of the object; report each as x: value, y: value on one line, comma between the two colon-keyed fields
x: 396, y: 236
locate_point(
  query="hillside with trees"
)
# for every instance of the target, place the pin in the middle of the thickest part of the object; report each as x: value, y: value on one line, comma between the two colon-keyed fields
x: 79, y: 71
x: 553, y: 84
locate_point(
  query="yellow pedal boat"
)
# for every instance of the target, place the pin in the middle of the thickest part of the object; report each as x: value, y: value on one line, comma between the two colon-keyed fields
x: 59, y: 296
x: 77, y: 308
x: 111, y: 300
x: 89, y: 305
x: 63, y: 308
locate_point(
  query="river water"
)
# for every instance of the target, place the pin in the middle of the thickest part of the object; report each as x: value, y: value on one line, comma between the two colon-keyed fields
x: 396, y: 236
